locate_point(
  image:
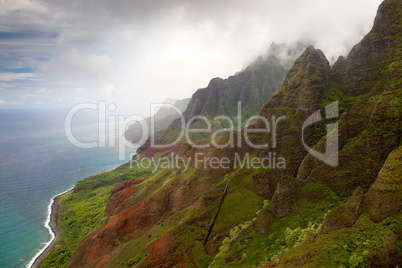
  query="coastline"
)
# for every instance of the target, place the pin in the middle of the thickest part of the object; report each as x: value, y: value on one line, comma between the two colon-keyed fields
x: 52, y: 225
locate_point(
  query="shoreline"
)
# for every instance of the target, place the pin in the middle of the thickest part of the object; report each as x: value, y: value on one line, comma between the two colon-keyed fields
x: 52, y: 225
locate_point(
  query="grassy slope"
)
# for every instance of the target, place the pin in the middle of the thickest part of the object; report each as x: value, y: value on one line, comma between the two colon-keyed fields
x: 245, y: 232
x: 82, y: 211
x: 346, y: 247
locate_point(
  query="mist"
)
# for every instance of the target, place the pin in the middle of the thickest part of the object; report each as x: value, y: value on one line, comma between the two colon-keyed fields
x: 133, y: 53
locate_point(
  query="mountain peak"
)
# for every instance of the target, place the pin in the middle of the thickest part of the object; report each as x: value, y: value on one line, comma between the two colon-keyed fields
x: 311, y: 51
x: 305, y: 83
x: 170, y: 101
x: 374, y: 52
x: 275, y: 48
x: 286, y: 54
x: 311, y: 62
x: 388, y: 19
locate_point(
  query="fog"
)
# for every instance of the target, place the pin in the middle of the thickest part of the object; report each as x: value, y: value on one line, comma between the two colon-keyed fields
x: 133, y: 53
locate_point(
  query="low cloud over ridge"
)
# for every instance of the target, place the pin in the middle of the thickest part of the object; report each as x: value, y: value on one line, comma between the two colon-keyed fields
x: 136, y: 52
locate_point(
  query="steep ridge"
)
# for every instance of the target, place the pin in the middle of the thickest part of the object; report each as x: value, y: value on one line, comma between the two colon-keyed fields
x: 371, y: 127
x: 369, y: 86
x: 174, y: 193
x: 120, y: 223
x: 252, y: 87
x: 307, y: 214
x: 381, y: 247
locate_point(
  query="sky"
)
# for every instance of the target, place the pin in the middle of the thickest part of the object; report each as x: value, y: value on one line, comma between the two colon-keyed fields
x: 132, y: 53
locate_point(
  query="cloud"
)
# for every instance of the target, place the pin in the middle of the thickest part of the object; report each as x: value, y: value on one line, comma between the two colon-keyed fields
x: 2, y: 102
x: 136, y: 52
x: 332, y: 24
x: 24, y: 6
x: 25, y: 19
x: 8, y: 77
x: 46, y: 91
x: 73, y: 68
x: 109, y: 89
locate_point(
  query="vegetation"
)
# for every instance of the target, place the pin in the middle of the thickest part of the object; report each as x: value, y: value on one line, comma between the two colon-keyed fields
x: 308, y: 215
x: 83, y: 210
x: 348, y: 247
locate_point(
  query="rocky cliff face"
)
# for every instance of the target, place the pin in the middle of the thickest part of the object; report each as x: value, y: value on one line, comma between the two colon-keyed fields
x: 252, y: 87
x: 367, y: 85
x: 309, y: 214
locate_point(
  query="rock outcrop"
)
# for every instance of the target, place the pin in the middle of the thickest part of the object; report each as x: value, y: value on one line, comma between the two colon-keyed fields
x: 309, y: 214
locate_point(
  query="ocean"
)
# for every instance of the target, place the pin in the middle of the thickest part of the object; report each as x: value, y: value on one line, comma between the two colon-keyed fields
x: 37, y: 162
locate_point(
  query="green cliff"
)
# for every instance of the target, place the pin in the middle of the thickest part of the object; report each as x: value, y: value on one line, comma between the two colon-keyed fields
x: 304, y: 213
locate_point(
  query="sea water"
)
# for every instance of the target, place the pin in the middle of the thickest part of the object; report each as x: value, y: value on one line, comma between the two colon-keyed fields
x: 37, y: 162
